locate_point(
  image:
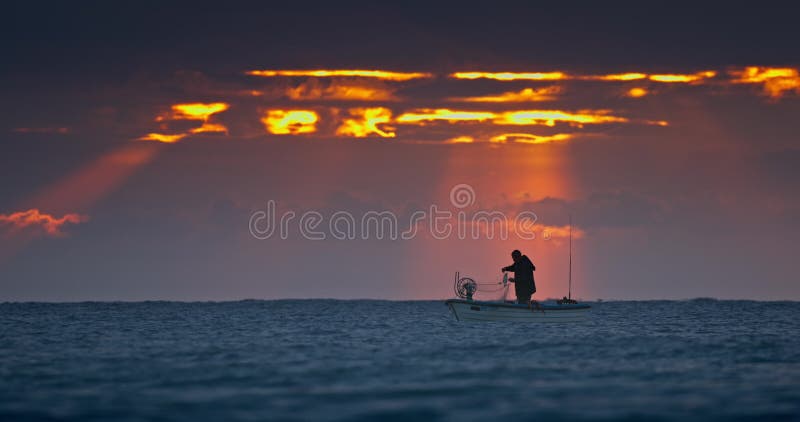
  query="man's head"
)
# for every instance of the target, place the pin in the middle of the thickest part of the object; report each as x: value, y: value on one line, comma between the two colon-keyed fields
x: 516, y: 255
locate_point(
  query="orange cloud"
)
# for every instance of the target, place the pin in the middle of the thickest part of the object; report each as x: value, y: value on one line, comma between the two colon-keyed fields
x: 550, y: 117
x: 427, y: 114
x: 210, y: 128
x: 460, y: 140
x: 560, y: 232
x: 776, y: 81
x: 197, y: 111
x: 364, y: 122
x: 162, y: 137
x: 555, y: 76
x: 617, y: 77
x: 290, y: 122
x: 527, y: 138
x: 321, y: 73
x: 683, y: 78
x: 35, y: 218
x: 189, y: 111
x: 511, y: 76
x: 313, y: 90
x: 527, y: 94
x: 636, y: 92
x: 519, y: 117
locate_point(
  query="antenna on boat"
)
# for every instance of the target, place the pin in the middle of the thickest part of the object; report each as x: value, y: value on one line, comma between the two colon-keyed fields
x: 570, y: 258
x: 568, y: 299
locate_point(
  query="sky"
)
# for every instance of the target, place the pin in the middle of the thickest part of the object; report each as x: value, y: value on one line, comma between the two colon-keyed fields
x: 194, y: 152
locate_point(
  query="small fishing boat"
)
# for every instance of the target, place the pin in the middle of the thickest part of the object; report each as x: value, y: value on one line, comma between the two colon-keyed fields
x: 465, y: 308
x: 478, y: 310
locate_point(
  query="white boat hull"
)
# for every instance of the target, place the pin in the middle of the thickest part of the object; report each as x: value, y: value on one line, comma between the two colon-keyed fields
x: 475, y: 310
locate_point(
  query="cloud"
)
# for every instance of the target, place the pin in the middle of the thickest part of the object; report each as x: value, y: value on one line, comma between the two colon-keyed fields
x: 776, y: 81
x: 690, y: 78
x: 197, y: 111
x: 514, y: 117
x: 189, y: 111
x: 527, y: 94
x: 560, y: 76
x: 560, y: 232
x: 600, y: 210
x: 386, y: 110
x: 163, y: 137
x: 460, y: 140
x: 336, y: 90
x: 633, y: 76
x: 511, y: 76
x: 53, y: 130
x: 33, y: 218
x: 550, y: 117
x: 290, y: 122
x: 522, y: 138
x: 210, y: 128
x: 364, y: 122
x: 527, y: 138
x: 325, y: 73
x: 427, y: 115
x: 636, y: 92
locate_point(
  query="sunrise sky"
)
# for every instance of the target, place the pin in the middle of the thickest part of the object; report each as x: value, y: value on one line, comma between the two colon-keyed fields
x: 138, y: 142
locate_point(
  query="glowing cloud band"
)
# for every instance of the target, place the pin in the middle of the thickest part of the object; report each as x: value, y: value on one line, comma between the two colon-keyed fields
x: 321, y: 73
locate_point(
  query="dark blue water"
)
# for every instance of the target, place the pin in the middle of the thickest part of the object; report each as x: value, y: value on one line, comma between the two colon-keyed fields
x: 364, y: 360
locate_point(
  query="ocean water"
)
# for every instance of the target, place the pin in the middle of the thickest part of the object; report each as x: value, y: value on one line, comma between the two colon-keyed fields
x: 383, y: 360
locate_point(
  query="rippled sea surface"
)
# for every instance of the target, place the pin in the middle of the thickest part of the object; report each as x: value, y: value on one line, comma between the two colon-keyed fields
x: 365, y: 360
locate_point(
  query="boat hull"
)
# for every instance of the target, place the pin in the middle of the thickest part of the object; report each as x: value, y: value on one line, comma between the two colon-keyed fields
x: 475, y: 310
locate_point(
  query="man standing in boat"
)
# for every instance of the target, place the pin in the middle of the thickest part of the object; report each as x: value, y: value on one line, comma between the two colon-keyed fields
x: 523, y: 268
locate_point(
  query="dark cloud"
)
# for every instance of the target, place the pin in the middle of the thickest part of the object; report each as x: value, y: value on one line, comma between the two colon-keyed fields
x: 600, y: 210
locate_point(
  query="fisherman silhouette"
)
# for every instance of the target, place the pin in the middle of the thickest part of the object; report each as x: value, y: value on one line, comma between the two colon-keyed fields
x: 523, y: 268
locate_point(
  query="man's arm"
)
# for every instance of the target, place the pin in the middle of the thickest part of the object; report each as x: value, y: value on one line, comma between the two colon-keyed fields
x: 508, y: 268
